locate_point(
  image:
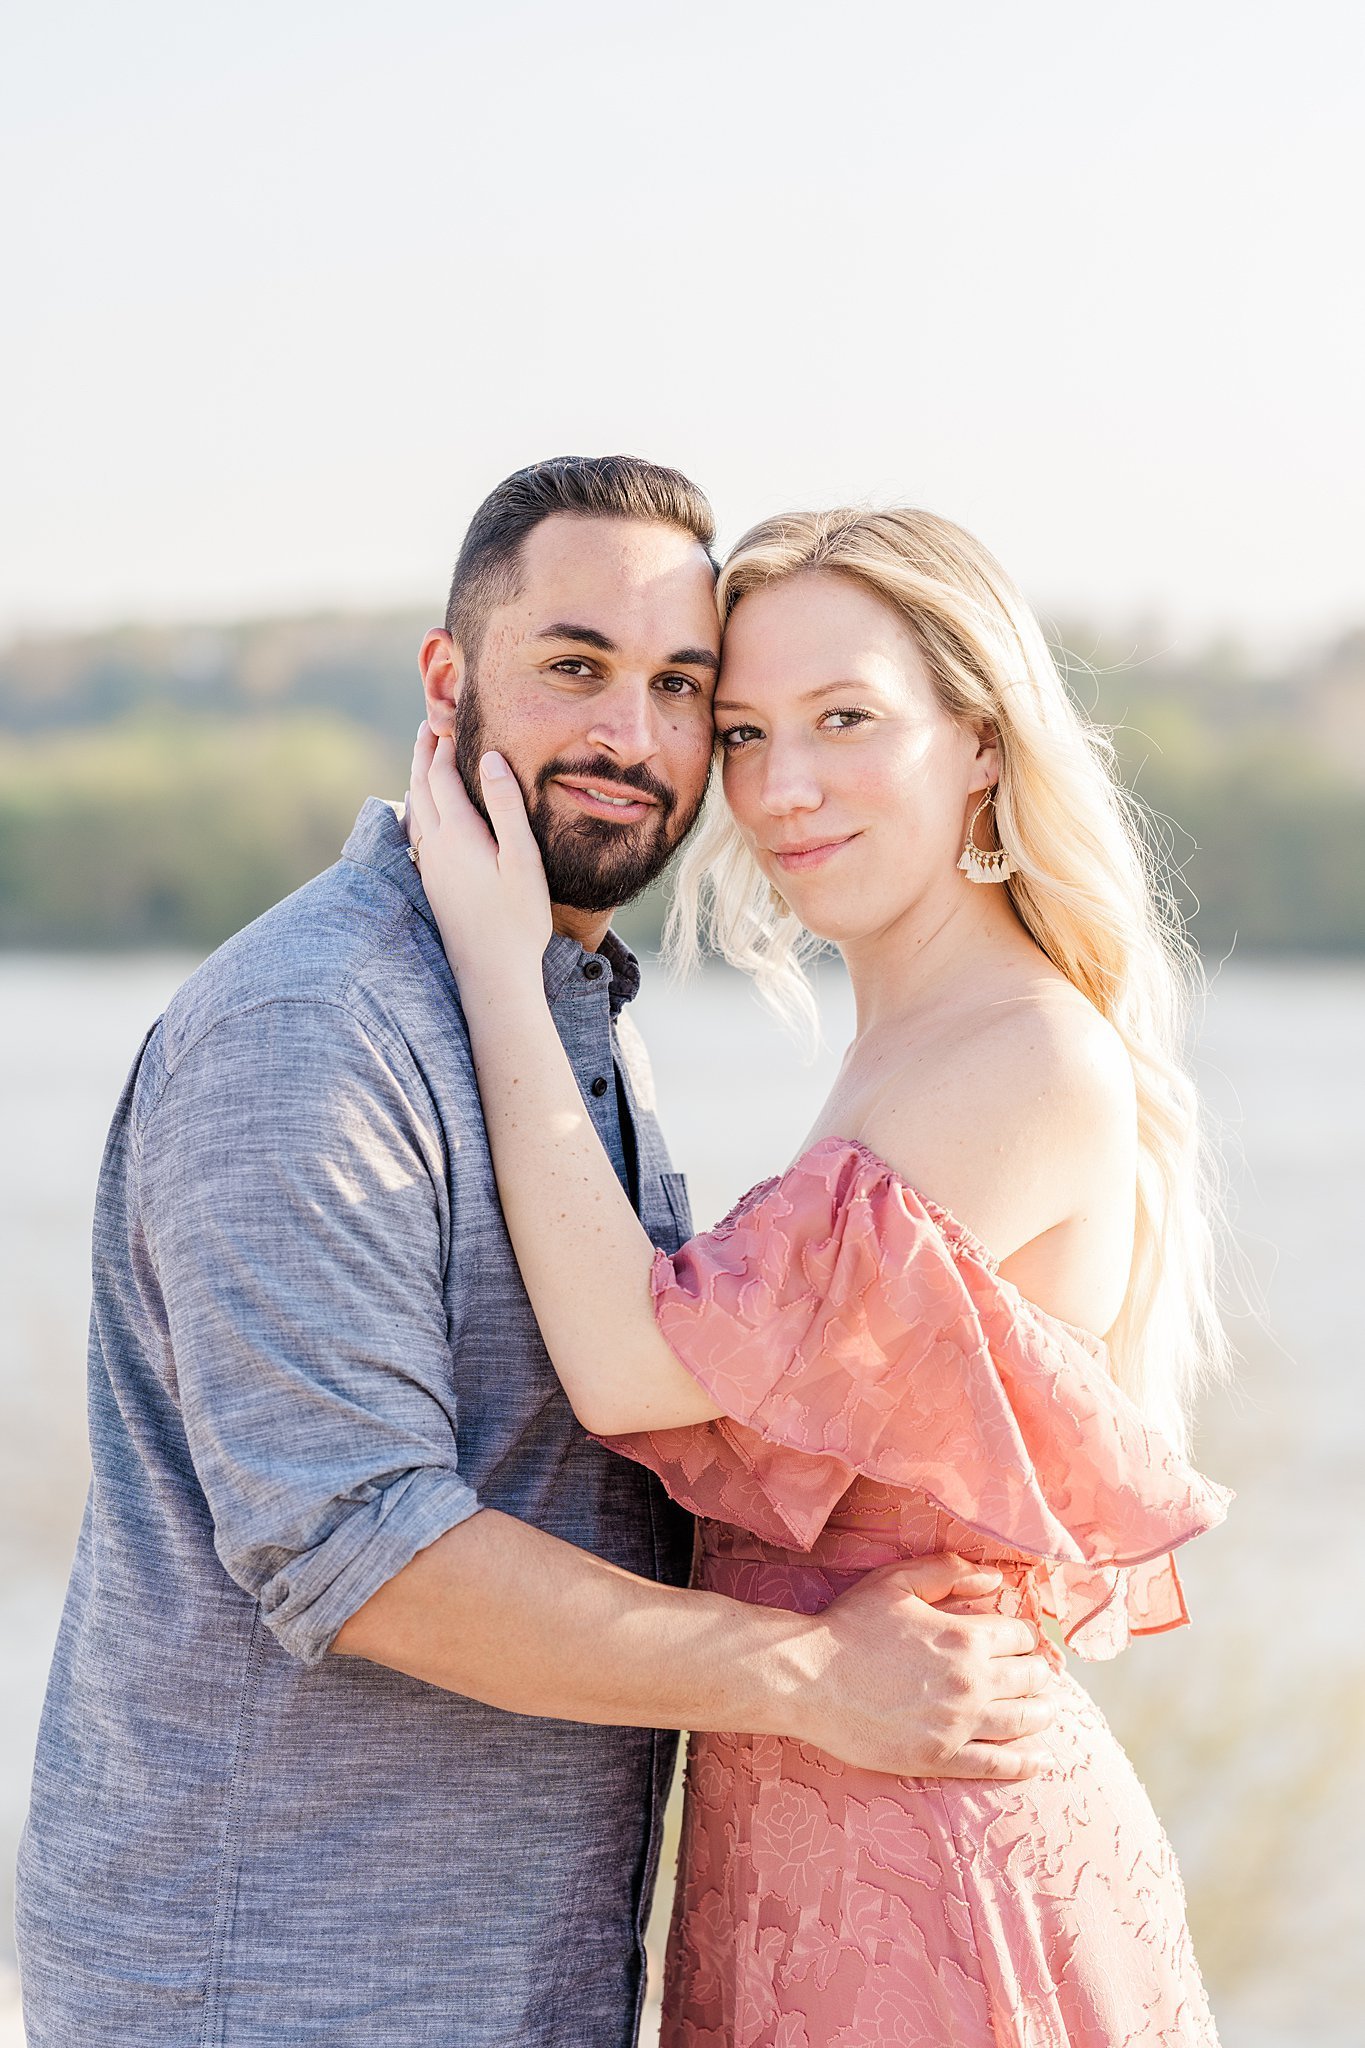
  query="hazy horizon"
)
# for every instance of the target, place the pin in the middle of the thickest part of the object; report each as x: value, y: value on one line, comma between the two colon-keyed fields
x: 291, y: 290
x: 1123, y: 639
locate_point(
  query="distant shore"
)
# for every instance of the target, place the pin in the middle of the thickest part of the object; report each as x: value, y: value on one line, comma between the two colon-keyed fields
x: 161, y: 786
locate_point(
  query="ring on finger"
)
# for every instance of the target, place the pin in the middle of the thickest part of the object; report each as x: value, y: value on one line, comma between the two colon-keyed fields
x: 414, y: 853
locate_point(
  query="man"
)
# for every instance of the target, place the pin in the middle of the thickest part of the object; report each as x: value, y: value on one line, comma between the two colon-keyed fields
x: 344, y: 1534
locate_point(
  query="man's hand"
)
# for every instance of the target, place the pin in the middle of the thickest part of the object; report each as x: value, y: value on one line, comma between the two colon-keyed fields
x: 888, y: 1677
x: 906, y: 1685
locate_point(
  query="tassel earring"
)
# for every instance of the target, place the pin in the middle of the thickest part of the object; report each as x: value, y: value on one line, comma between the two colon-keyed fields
x: 984, y: 863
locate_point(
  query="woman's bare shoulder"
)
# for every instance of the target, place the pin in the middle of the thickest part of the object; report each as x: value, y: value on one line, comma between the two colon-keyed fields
x: 1052, y: 1050
x: 1017, y: 1114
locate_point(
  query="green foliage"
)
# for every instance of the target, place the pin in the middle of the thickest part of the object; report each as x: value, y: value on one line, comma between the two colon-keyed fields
x: 161, y: 786
x: 1276, y: 854
x: 1256, y: 781
x: 171, y: 830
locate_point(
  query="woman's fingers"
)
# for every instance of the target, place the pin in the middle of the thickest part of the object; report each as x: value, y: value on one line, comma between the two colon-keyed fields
x: 444, y: 779
x: 486, y: 888
x: 422, y: 810
x: 448, y: 790
x: 437, y: 793
x: 507, y: 809
x: 439, y: 800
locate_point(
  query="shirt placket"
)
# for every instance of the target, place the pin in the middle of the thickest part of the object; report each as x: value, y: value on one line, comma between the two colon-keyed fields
x: 583, y: 1014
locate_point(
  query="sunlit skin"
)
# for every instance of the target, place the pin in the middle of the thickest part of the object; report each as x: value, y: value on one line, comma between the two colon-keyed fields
x: 486, y: 883
x: 609, y: 652
x: 977, y: 1071
x: 496, y: 1608
x: 976, y: 1066
x: 849, y: 781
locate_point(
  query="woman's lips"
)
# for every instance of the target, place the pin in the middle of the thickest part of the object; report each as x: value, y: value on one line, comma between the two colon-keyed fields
x: 609, y: 802
x: 799, y: 858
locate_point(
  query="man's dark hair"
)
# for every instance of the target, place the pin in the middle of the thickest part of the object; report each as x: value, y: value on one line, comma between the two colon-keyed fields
x: 586, y: 487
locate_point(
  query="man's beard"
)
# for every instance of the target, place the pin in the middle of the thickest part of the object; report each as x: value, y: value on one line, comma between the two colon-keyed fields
x: 590, y: 864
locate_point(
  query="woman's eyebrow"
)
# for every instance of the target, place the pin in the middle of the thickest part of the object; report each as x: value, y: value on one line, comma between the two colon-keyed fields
x: 806, y: 697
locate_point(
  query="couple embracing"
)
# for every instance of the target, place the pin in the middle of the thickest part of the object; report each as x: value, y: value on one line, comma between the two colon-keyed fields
x: 441, y: 1472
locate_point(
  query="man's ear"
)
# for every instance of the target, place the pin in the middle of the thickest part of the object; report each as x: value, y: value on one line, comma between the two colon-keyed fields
x: 443, y: 671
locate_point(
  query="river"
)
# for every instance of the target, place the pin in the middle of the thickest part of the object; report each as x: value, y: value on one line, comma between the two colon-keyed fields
x: 1247, y: 1727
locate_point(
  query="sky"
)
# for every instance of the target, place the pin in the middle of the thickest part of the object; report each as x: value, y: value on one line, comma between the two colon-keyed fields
x: 290, y: 286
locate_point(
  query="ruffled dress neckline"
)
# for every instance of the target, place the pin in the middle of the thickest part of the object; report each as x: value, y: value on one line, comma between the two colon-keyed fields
x: 960, y: 1240
x: 851, y: 1329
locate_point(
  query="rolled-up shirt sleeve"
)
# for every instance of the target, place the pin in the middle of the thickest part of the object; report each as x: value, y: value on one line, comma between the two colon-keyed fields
x: 292, y: 1197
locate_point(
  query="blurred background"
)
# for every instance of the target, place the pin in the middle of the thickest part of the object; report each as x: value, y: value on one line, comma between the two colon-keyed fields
x: 291, y: 287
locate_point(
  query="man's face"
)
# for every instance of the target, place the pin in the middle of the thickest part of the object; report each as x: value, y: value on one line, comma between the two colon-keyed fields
x: 595, y: 682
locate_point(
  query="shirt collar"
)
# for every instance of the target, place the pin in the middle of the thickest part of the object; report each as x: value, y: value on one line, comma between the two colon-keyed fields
x: 378, y: 841
x: 566, y: 961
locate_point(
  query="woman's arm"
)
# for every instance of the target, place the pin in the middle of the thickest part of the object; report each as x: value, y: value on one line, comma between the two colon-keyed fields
x: 584, y: 1258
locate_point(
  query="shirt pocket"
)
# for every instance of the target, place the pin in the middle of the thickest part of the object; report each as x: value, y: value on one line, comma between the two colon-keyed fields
x: 675, y: 1193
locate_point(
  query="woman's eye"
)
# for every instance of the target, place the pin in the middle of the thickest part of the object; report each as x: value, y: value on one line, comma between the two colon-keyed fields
x: 733, y: 737
x: 848, y: 715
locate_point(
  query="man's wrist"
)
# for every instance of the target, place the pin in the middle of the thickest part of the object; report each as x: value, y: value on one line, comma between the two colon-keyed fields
x: 786, y: 1675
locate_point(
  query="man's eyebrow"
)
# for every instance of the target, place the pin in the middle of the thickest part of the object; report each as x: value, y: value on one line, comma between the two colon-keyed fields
x: 695, y: 657
x: 586, y: 636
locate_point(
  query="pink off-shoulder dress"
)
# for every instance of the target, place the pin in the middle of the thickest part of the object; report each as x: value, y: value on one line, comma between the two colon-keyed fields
x: 886, y: 1395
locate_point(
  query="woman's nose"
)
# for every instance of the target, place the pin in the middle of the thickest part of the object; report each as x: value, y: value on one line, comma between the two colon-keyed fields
x: 788, y: 785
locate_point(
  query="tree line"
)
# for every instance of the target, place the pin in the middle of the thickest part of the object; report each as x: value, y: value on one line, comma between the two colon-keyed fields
x: 163, y: 785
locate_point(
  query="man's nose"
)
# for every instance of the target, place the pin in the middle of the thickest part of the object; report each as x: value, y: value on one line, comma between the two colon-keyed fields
x: 626, y: 724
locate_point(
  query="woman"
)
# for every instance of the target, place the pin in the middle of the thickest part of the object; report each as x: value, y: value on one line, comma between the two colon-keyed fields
x: 843, y: 1373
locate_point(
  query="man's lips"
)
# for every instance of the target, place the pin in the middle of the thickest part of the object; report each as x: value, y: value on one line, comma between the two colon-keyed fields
x: 812, y: 854
x: 608, y: 799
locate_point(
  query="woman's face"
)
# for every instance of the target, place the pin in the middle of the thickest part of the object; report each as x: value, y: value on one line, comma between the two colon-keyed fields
x: 847, y: 778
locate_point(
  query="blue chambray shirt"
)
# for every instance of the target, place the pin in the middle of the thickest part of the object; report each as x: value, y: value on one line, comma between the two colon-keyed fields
x: 310, y: 1355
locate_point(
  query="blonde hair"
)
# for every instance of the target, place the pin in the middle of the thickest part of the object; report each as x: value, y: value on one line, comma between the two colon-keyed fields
x: 1089, y: 885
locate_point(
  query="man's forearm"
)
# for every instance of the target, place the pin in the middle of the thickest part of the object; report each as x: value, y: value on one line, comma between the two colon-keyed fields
x: 509, y: 1615
x: 886, y: 1678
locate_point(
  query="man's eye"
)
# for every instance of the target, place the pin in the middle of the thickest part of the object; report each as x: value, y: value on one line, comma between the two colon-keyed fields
x: 733, y: 737
x: 572, y: 665
x: 679, y: 686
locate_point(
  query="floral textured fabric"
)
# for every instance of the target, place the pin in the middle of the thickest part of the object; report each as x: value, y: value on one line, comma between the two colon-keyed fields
x: 888, y: 1395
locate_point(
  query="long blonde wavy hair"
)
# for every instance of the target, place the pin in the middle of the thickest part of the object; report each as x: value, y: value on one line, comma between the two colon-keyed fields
x: 1090, y: 886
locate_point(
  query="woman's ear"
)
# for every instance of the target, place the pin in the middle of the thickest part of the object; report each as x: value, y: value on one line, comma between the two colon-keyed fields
x: 443, y: 671
x: 986, y: 767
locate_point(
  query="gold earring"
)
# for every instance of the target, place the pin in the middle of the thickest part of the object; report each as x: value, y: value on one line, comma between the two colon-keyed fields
x: 779, y: 903
x: 984, y: 863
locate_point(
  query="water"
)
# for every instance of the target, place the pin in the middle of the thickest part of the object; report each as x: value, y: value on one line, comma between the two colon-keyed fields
x: 1247, y: 1728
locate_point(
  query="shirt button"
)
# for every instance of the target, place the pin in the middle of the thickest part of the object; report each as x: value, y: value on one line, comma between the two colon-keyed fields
x: 599, y: 1086
x: 593, y: 970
